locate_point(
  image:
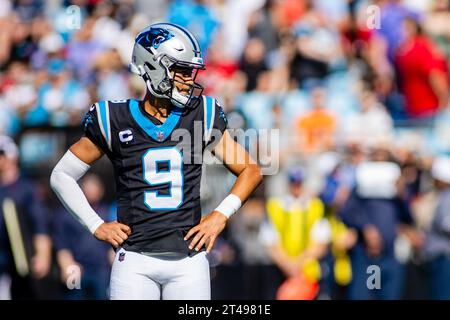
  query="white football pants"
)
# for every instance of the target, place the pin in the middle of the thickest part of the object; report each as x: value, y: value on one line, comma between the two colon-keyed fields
x: 136, y: 276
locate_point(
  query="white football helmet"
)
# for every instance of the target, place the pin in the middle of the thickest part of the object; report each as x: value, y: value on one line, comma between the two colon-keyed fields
x: 164, y: 47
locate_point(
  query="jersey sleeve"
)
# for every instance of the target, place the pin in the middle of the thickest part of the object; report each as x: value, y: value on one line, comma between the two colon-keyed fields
x: 220, y: 120
x: 218, y: 124
x: 93, y: 128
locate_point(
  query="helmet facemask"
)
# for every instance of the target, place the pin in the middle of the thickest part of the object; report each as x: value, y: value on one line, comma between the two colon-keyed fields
x: 183, y: 90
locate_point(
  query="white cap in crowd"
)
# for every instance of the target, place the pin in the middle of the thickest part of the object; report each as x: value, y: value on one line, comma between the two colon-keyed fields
x: 8, y: 147
x: 440, y: 169
x: 377, y: 179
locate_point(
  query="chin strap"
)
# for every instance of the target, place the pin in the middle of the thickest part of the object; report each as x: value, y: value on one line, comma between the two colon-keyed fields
x: 176, y: 97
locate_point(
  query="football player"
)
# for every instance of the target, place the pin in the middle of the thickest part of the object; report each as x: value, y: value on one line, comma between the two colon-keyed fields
x: 160, y: 234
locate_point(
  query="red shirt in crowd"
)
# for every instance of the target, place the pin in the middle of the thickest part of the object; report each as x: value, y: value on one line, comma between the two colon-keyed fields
x: 416, y: 60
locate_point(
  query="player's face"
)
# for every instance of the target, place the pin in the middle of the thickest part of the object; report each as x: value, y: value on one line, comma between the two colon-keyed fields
x: 183, y: 79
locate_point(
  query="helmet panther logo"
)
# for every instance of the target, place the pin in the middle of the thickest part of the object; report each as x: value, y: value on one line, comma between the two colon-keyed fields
x: 154, y: 37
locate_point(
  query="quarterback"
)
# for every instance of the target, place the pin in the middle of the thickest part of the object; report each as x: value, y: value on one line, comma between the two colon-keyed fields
x: 160, y: 236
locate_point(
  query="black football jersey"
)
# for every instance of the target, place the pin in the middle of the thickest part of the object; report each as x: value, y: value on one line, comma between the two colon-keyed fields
x: 157, y: 167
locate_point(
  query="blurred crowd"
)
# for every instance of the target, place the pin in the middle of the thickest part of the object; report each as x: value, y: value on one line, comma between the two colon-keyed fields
x: 357, y: 89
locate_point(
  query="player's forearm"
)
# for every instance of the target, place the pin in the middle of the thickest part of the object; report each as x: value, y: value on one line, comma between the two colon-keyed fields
x: 246, y: 182
x: 64, y: 183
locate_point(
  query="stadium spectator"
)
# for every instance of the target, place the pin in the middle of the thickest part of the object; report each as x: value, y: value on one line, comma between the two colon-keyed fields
x: 19, y: 93
x: 317, y: 127
x: 362, y: 43
x: 252, y: 64
x: 422, y: 72
x: 75, y: 247
x: 376, y: 212
x: 437, y: 247
x: 318, y: 48
x: 393, y: 12
x: 25, y: 246
x: 82, y: 50
x: 297, y: 235
x: 342, y: 237
x: 61, y: 99
x: 437, y: 26
x: 22, y: 45
x: 264, y: 24
x: 370, y: 126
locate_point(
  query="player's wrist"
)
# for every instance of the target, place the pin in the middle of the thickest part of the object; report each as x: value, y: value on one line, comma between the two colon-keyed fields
x: 220, y: 214
x: 229, y: 205
x: 94, y: 227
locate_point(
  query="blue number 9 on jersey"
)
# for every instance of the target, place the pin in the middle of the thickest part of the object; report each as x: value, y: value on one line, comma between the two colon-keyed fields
x: 154, y: 176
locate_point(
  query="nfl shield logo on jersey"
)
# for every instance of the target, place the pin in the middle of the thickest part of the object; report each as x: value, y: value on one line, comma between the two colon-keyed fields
x: 121, y: 256
x: 160, y: 136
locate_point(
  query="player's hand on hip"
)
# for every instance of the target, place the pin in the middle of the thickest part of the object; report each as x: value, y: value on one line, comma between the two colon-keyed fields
x: 114, y: 233
x: 206, y: 231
